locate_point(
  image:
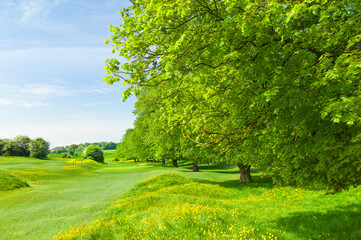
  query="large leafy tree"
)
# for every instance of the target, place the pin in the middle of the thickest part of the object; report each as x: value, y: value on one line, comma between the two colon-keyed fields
x: 130, y: 145
x: 285, y: 74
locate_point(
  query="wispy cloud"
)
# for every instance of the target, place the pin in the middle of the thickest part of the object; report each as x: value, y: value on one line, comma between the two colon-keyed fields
x: 44, y: 90
x: 33, y: 104
x: 96, y: 104
x: 23, y: 103
x: 36, y: 9
x: 102, y: 90
x: 32, y: 95
x: 5, y: 102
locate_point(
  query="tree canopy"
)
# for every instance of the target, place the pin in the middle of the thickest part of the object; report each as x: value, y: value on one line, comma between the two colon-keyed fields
x: 94, y: 152
x: 24, y: 146
x: 278, y: 80
x: 38, y: 148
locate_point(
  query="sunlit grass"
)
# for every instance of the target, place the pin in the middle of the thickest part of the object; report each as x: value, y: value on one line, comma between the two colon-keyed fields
x: 9, y: 182
x: 173, y: 207
x: 89, y: 200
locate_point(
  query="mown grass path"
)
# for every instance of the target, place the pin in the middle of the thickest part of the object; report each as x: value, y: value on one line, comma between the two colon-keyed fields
x: 49, y: 205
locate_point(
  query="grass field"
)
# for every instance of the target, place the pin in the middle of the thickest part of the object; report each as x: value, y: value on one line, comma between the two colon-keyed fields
x: 108, y: 154
x: 126, y: 200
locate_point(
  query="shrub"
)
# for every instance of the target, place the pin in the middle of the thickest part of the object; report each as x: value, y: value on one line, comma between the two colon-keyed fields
x: 64, y: 155
x: 38, y: 148
x: 10, y: 182
x: 94, y: 152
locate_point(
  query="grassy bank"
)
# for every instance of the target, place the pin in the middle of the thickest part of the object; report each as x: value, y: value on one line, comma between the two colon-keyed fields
x: 127, y: 200
x: 173, y: 207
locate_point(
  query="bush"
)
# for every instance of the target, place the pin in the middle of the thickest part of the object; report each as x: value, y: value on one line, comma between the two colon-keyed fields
x: 39, y: 148
x: 94, y: 152
x: 64, y: 155
x: 10, y: 182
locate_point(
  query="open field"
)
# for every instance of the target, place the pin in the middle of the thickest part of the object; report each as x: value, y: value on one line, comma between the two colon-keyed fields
x: 108, y: 154
x: 98, y: 202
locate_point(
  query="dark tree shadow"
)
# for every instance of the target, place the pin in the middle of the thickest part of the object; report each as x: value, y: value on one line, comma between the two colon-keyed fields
x: 258, y: 182
x: 215, y: 167
x: 343, y: 223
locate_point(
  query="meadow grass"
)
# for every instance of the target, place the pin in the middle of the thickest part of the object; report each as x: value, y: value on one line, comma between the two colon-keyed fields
x: 174, y: 207
x: 135, y: 200
x: 9, y: 182
x: 61, y: 195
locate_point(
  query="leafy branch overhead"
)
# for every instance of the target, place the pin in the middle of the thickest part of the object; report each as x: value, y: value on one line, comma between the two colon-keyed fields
x: 272, y: 81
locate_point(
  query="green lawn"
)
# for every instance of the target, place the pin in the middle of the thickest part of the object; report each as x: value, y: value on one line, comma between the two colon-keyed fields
x: 61, y: 199
x: 62, y: 195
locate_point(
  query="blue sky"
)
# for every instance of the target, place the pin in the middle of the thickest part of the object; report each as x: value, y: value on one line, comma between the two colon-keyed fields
x: 52, y: 56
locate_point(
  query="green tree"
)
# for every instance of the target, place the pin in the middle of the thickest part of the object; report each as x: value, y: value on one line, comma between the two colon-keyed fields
x: 79, y: 148
x: 72, y: 148
x: 285, y: 74
x: 22, y: 145
x: 130, y: 145
x: 9, y: 148
x: 94, y: 152
x: 2, y: 143
x: 38, y: 148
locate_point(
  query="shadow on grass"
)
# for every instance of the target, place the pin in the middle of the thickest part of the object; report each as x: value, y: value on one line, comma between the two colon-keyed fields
x: 342, y: 223
x: 215, y: 167
x: 253, y: 171
x: 258, y: 182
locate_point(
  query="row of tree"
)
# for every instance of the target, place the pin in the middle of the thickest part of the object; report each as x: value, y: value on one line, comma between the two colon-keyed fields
x: 24, y: 146
x: 275, y: 84
x: 80, y: 147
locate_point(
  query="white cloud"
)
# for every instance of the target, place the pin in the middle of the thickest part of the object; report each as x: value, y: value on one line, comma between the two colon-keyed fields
x: 36, y: 9
x: 32, y: 95
x: 44, y: 90
x: 96, y: 104
x: 102, y: 90
x: 33, y: 104
x: 5, y: 102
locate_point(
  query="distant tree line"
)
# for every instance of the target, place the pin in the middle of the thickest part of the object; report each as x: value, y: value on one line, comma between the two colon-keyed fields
x: 80, y: 147
x: 24, y: 146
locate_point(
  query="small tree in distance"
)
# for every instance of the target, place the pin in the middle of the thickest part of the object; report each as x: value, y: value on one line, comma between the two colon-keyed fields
x: 94, y: 152
x: 38, y: 148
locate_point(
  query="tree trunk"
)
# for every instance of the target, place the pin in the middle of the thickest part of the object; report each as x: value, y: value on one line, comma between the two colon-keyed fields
x: 195, y: 167
x: 175, y: 163
x: 163, y: 162
x: 245, y: 171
